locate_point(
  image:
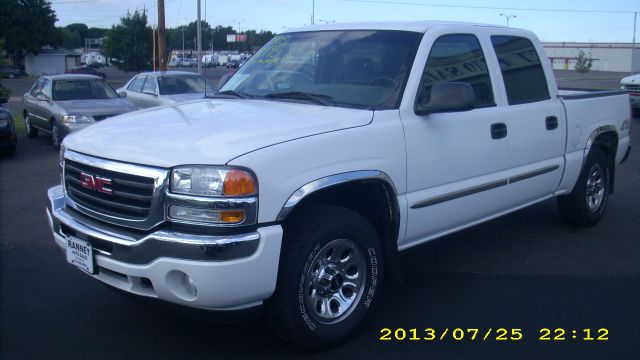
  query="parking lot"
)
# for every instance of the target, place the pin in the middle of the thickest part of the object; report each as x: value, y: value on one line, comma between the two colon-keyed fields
x: 525, y: 271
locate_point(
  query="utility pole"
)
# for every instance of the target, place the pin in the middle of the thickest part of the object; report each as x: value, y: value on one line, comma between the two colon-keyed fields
x: 313, y: 12
x: 161, y: 37
x: 508, y: 17
x: 199, y: 39
x: 633, y: 48
x: 153, y: 33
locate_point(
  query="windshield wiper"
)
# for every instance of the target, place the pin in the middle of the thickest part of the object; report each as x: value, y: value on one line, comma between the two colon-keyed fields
x: 230, y: 93
x: 301, y: 95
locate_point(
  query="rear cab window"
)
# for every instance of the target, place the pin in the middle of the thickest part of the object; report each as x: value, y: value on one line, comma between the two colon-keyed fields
x: 457, y: 58
x: 522, y: 72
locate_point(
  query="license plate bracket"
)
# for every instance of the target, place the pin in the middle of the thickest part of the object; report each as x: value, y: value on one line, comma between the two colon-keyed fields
x: 80, y: 254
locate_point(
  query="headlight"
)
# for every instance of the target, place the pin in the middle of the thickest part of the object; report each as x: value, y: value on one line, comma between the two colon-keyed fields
x: 77, y: 119
x: 212, y: 181
x: 4, y: 123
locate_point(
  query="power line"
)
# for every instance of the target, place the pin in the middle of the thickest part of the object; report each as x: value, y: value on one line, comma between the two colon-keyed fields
x: 490, y: 7
x: 119, y: 16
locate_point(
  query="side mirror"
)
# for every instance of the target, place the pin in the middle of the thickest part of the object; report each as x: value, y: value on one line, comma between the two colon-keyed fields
x: 447, y: 97
x: 42, y: 97
x: 122, y: 94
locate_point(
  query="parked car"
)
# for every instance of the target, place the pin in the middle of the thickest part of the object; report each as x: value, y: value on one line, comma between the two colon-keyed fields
x: 328, y: 152
x: 165, y: 87
x: 233, y: 64
x: 10, y: 71
x: 8, y: 136
x: 631, y: 84
x: 86, y: 69
x: 61, y: 104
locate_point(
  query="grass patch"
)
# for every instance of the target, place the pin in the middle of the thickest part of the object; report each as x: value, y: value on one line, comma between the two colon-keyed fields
x: 20, y: 129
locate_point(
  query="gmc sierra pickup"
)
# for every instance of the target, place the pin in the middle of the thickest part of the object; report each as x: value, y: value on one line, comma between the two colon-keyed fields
x: 328, y: 152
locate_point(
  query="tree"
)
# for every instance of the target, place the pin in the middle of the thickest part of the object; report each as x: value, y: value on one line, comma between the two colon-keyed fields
x: 584, y: 62
x: 129, y: 44
x: 27, y: 26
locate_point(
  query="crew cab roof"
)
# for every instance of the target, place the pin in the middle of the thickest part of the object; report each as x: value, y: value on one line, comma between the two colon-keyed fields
x: 415, y: 26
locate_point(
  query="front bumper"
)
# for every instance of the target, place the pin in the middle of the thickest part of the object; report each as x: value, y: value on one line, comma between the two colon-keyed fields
x: 229, y: 272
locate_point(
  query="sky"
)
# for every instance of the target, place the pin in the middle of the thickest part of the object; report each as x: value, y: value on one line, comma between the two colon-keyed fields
x: 551, y: 20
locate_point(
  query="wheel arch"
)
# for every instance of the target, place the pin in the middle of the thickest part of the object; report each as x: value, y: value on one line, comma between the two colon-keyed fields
x: 371, y: 193
x: 606, y: 139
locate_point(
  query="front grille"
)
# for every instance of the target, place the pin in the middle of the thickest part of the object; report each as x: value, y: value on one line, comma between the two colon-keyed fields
x: 101, y: 117
x: 632, y: 87
x: 130, y: 198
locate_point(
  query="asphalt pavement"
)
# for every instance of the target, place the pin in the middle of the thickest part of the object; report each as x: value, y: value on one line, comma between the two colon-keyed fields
x: 526, y: 270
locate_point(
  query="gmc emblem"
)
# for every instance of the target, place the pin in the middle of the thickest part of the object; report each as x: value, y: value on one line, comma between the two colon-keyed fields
x: 96, y: 183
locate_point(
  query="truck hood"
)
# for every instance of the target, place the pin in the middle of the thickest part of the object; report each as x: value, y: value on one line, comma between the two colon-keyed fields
x: 97, y: 107
x: 210, y: 131
x: 631, y: 80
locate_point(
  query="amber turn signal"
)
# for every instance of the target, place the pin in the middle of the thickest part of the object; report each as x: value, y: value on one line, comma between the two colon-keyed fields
x: 231, y: 216
x: 238, y: 183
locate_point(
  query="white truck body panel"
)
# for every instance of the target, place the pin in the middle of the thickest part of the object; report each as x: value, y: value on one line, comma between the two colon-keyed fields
x: 447, y: 170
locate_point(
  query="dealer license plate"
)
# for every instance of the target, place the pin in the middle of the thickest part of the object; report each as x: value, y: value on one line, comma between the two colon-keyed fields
x: 80, y: 254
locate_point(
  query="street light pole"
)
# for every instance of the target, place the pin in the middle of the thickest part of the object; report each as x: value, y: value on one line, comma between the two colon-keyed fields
x: 182, y: 58
x: 508, y: 17
x: 633, y: 48
x: 313, y: 12
x: 239, y: 32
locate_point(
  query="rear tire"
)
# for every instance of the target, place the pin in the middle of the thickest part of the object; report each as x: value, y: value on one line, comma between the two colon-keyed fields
x: 330, y: 270
x: 585, y: 205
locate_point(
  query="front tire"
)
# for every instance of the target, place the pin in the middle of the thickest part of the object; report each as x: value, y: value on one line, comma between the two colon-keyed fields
x: 56, y: 137
x: 330, y: 271
x: 31, y: 130
x: 585, y: 205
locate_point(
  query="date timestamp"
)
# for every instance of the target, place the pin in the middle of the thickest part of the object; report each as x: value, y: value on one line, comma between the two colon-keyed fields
x: 492, y: 334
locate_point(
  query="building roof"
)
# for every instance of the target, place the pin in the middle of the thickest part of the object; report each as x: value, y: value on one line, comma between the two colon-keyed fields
x: 54, y: 52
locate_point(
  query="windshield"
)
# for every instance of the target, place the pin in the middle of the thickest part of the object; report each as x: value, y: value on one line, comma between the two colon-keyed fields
x: 82, y: 89
x: 183, y: 84
x: 363, y: 69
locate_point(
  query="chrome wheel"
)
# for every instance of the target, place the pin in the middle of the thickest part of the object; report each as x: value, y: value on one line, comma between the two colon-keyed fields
x: 595, y: 187
x: 335, y: 281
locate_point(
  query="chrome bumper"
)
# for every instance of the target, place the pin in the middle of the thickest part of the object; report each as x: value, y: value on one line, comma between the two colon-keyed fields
x: 229, y: 272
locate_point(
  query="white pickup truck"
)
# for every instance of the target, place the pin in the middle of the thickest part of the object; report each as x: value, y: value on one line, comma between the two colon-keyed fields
x: 331, y: 150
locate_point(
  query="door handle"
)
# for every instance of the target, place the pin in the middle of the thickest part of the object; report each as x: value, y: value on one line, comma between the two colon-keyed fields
x: 498, y: 130
x: 551, y: 122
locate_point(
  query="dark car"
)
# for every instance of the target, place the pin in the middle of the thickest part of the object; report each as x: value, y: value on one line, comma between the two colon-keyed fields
x: 87, y: 70
x: 10, y: 71
x: 8, y: 137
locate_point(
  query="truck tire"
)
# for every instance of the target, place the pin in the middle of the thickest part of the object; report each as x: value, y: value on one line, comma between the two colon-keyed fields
x: 56, y: 137
x: 585, y: 205
x: 330, y: 271
x: 31, y: 130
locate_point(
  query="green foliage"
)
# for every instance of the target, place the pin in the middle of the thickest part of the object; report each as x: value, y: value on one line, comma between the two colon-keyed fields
x: 27, y: 26
x: 129, y: 44
x: 584, y: 62
x: 215, y: 38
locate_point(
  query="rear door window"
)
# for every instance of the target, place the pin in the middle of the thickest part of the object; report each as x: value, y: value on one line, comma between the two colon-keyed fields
x: 521, y: 69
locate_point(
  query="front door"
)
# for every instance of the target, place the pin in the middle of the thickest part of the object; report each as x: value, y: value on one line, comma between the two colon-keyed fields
x: 456, y: 162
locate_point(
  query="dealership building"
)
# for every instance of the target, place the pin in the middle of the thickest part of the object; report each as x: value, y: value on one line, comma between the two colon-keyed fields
x: 616, y: 57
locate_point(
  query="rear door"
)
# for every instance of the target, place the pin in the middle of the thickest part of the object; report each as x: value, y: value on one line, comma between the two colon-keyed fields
x: 535, y: 118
